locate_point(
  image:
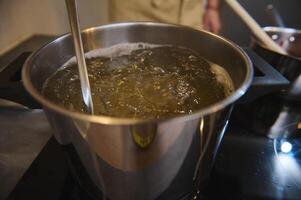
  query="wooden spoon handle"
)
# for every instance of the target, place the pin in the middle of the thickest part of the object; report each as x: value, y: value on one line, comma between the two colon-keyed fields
x: 255, y: 28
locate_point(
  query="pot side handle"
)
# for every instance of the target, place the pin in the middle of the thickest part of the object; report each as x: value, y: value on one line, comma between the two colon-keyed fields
x: 11, y: 86
x: 266, y: 79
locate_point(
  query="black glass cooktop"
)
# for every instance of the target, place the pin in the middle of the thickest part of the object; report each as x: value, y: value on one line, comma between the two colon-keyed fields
x: 246, y: 168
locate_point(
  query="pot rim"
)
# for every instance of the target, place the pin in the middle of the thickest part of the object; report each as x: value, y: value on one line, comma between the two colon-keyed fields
x: 282, y: 29
x: 109, y: 120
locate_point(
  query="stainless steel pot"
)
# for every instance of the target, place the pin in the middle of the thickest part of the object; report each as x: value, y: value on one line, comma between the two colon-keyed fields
x: 135, y: 158
x: 290, y: 39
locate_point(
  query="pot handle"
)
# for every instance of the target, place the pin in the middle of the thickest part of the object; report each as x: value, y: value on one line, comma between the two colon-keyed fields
x: 266, y: 79
x: 11, y: 87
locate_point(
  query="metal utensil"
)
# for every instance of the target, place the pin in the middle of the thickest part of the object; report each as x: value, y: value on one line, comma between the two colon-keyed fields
x: 276, y: 19
x: 274, y: 16
x: 80, y: 56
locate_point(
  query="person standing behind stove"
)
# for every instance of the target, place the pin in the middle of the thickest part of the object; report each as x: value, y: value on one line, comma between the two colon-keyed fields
x: 194, y: 13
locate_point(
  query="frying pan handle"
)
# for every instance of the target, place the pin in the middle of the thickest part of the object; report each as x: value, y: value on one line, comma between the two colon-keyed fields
x: 266, y: 79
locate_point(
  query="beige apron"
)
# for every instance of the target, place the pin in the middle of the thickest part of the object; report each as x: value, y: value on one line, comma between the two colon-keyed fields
x: 185, y: 12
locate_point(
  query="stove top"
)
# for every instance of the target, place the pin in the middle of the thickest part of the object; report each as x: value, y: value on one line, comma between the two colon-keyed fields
x: 246, y: 168
x: 248, y: 164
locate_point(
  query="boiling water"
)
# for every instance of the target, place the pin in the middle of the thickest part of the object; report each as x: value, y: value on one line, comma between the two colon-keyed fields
x: 141, y: 81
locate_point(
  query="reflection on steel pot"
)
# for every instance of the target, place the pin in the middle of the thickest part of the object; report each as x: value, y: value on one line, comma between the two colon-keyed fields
x: 290, y: 39
x: 137, y: 158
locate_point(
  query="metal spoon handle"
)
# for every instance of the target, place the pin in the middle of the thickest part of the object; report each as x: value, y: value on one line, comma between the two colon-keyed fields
x: 80, y: 56
x: 274, y: 16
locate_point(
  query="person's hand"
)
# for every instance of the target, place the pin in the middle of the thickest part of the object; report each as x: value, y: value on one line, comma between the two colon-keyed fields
x: 211, y: 20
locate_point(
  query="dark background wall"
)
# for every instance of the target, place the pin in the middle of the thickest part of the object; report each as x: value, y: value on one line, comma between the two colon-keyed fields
x: 235, y: 30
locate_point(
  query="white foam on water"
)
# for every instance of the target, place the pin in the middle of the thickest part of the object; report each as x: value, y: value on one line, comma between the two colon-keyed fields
x: 115, y: 51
